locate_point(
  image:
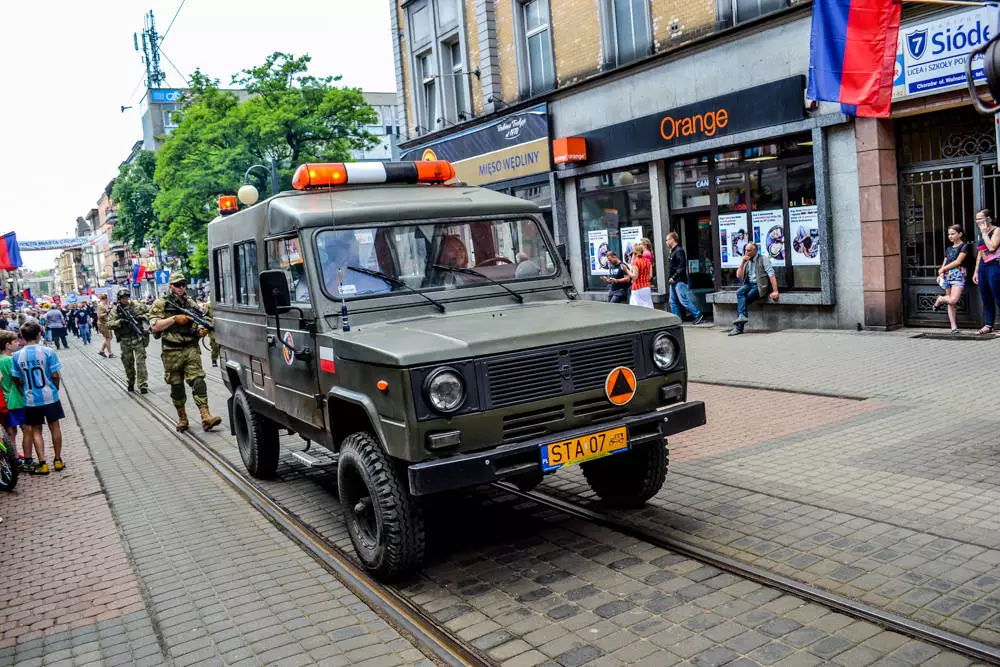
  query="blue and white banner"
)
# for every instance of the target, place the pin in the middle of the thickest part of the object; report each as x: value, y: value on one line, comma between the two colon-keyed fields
x: 59, y: 244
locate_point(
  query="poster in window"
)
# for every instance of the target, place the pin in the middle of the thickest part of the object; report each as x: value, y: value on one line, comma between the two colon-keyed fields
x: 769, y: 234
x: 804, y: 226
x: 597, y: 243
x: 733, y: 238
x: 629, y: 235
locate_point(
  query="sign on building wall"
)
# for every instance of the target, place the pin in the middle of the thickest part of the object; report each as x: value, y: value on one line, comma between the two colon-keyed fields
x: 512, y: 146
x: 931, y: 54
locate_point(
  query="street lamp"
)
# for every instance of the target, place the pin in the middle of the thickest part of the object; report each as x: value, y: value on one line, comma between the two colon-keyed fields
x: 247, y: 194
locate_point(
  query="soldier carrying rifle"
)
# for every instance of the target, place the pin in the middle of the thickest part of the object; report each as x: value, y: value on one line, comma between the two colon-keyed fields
x: 128, y: 320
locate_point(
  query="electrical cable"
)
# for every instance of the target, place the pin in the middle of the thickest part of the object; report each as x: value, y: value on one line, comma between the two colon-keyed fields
x: 183, y: 78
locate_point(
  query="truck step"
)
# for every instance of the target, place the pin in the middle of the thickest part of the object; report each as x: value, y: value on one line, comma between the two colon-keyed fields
x: 311, y: 461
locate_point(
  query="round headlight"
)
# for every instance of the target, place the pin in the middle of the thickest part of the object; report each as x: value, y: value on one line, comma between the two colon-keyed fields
x: 664, y: 351
x: 445, y: 390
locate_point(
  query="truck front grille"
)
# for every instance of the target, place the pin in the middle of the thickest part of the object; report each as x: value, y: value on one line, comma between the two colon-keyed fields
x: 528, y: 425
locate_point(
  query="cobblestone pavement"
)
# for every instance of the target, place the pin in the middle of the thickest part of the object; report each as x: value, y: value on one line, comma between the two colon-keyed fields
x: 529, y: 587
x: 221, y: 584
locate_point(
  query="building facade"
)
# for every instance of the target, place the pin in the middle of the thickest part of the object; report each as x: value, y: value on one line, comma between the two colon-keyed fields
x: 627, y: 119
x: 385, y: 129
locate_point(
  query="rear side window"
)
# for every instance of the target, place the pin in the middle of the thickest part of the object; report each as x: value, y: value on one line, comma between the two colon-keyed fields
x: 286, y: 254
x: 246, y: 273
x: 223, y: 276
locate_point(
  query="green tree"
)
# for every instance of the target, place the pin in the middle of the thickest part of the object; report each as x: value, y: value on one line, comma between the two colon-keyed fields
x: 133, y: 193
x: 289, y: 115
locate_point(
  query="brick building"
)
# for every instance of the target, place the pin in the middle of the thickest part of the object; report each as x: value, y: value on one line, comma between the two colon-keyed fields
x: 691, y: 115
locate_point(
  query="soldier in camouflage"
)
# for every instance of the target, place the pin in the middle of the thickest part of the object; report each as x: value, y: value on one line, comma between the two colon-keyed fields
x: 132, y: 342
x: 212, y: 345
x: 181, y: 355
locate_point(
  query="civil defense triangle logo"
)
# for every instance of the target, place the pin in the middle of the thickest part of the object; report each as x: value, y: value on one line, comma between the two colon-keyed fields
x: 916, y: 43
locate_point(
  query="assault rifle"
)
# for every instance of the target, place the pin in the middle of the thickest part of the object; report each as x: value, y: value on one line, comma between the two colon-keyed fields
x: 140, y: 327
x: 173, y: 309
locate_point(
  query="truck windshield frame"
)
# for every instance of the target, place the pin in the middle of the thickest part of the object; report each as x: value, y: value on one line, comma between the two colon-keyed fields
x: 518, y: 248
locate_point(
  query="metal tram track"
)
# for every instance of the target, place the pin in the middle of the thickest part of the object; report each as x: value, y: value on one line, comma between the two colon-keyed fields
x: 888, y: 620
x: 424, y: 632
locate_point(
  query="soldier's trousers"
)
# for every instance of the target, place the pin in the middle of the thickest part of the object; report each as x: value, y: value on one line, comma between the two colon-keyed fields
x: 213, y: 346
x: 180, y: 365
x: 133, y: 352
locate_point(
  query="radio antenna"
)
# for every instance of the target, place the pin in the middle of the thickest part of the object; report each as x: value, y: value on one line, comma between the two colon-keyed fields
x: 150, y: 50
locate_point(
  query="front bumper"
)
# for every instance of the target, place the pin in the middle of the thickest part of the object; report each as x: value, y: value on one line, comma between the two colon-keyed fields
x: 465, y: 470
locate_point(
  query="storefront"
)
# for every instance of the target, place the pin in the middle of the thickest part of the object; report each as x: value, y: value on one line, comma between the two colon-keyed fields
x: 509, y: 154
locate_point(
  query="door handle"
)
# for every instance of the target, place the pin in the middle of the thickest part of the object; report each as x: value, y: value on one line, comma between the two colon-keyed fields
x: 271, y: 340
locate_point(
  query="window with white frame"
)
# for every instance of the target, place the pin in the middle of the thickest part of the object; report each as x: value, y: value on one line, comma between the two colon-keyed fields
x: 629, y: 30
x: 437, y: 52
x: 460, y: 100
x: 428, y: 91
x: 539, y: 68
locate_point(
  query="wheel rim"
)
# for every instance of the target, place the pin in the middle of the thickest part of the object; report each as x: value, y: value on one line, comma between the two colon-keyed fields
x: 361, y: 508
x: 242, y: 426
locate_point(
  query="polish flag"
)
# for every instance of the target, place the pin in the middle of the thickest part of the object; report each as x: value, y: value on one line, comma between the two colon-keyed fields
x: 326, y: 359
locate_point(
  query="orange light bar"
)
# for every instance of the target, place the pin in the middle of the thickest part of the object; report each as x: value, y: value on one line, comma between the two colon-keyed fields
x: 435, y: 171
x: 228, y: 204
x: 319, y: 175
x: 369, y: 173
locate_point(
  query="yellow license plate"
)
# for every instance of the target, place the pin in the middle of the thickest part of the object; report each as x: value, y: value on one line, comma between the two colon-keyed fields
x: 584, y: 448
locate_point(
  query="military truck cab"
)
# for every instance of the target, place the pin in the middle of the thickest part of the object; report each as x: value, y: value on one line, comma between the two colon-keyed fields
x: 429, y: 336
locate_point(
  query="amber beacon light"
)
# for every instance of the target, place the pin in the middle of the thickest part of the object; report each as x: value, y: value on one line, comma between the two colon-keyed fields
x: 228, y: 204
x: 309, y: 176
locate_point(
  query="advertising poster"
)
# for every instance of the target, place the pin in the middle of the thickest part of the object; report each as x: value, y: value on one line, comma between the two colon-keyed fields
x: 769, y: 234
x: 804, y: 227
x: 597, y: 243
x: 733, y: 238
x: 629, y: 235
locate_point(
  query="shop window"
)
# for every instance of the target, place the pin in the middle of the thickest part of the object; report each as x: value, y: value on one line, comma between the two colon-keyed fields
x: 246, y: 274
x: 286, y: 254
x: 615, y: 212
x: 538, y: 69
x: 803, y: 226
x: 690, y: 184
x: 223, y: 276
x: 627, y: 33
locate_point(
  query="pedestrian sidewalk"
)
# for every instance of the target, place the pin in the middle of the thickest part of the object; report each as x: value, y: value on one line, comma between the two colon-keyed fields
x: 191, y: 573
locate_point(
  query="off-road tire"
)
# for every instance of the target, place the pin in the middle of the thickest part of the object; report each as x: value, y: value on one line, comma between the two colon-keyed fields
x: 9, y: 481
x: 629, y: 479
x: 399, y: 537
x: 257, y: 438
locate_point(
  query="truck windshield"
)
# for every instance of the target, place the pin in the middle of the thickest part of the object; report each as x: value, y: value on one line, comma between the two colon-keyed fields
x: 504, y: 250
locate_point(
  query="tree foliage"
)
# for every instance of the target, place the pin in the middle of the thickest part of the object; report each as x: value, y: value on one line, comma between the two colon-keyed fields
x: 133, y: 193
x: 289, y: 114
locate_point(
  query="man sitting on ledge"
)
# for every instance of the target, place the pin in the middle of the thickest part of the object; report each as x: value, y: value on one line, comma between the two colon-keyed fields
x: 759, y: 282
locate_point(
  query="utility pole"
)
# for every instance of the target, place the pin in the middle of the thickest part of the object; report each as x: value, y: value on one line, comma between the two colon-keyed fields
x: 150, y: 51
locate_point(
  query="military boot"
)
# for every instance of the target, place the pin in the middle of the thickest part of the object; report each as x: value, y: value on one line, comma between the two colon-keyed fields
x: 208, y: 421
x: 182, y: 419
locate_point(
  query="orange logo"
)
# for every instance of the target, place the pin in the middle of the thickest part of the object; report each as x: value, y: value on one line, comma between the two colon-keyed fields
x: 620, y: 385
x: 428, y: 155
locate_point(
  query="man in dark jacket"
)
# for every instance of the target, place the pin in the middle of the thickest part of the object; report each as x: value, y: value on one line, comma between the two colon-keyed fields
x: 677, y: 276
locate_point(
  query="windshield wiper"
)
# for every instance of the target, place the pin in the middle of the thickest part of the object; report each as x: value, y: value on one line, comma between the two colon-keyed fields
x: 473, y: 272
x: 394, y: 281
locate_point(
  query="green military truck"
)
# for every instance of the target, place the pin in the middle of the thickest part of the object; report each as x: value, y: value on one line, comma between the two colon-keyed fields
x: 428, y: 335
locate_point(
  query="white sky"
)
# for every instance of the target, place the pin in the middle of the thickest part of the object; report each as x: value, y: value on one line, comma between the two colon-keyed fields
x: 68, y: 66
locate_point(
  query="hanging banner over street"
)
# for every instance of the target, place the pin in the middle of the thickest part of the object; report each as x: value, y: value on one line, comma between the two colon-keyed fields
x: 60, y: 244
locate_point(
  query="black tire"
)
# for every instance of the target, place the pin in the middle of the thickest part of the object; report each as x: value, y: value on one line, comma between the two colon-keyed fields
x: 8, y: 469
x: 257, y: 438
x: 628, y: 480
x: 384, y: 521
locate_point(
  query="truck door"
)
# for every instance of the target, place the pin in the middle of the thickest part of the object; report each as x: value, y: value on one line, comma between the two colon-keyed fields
x: 294, y: 380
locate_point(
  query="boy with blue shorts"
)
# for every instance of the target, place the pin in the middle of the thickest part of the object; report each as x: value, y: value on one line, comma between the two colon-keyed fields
x: 10, y: 343
x: 36, y: 370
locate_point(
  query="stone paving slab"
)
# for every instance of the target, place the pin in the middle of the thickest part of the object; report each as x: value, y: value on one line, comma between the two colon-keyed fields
x: 225, y: 586
x: 529, y: 587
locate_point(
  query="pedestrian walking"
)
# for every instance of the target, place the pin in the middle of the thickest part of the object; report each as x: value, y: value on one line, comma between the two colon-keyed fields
x: 640, y: 272
x: 83, y: 325
x: 14, y: 398
x: 987, y: 273
x: 180, y: 354
x: 677, y: 273
x: 128, y: 321
x: 617, y: 280
x: 103, y: 308
x: 55, y: 323
x: 71, y: 321
x: 951, y: 275
x: 759, y: 282
x: 36, y: 370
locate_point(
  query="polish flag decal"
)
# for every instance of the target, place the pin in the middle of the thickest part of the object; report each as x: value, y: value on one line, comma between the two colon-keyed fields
x: 326, y: 359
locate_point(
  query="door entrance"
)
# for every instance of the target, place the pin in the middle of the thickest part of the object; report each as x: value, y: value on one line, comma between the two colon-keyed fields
x: 695, y: 230
x: 949, y: 172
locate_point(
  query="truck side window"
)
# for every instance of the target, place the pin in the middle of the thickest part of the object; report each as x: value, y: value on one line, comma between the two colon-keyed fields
x: 223, y: 276
x: 286, y: 254
x: 246, y: 273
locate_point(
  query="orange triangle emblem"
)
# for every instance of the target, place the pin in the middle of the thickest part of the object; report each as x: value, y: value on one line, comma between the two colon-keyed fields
x: 620, y: 385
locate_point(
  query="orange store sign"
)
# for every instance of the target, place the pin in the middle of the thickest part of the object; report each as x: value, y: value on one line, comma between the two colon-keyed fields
x: 569, y: 149
x: 707, y: 123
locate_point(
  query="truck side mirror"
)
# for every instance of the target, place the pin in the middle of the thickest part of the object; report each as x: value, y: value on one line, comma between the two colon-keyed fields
x: 991, y: 68
x: 274, y: 291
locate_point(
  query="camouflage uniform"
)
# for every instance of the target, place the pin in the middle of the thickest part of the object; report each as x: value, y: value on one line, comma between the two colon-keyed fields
x: 210, y: 314
x: 133, y: 345
x: 182, y: 357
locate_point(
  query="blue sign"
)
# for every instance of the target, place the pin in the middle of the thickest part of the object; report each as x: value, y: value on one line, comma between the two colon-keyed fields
x: 162, y: 277
x: 165, y: 95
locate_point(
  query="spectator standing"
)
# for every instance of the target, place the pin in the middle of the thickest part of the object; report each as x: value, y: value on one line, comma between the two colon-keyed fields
x: 678, y: 279
x: 759, y: 282
x: 617, y: 280
x: 55, y: 322
x: 36, y: 370
x: 71, y: 320
x: 641, y: 269
x: 102, y: 325
x: 14, y: 397
x: 82, y: 317
x: 987, y: 273
x: 951, y: 275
